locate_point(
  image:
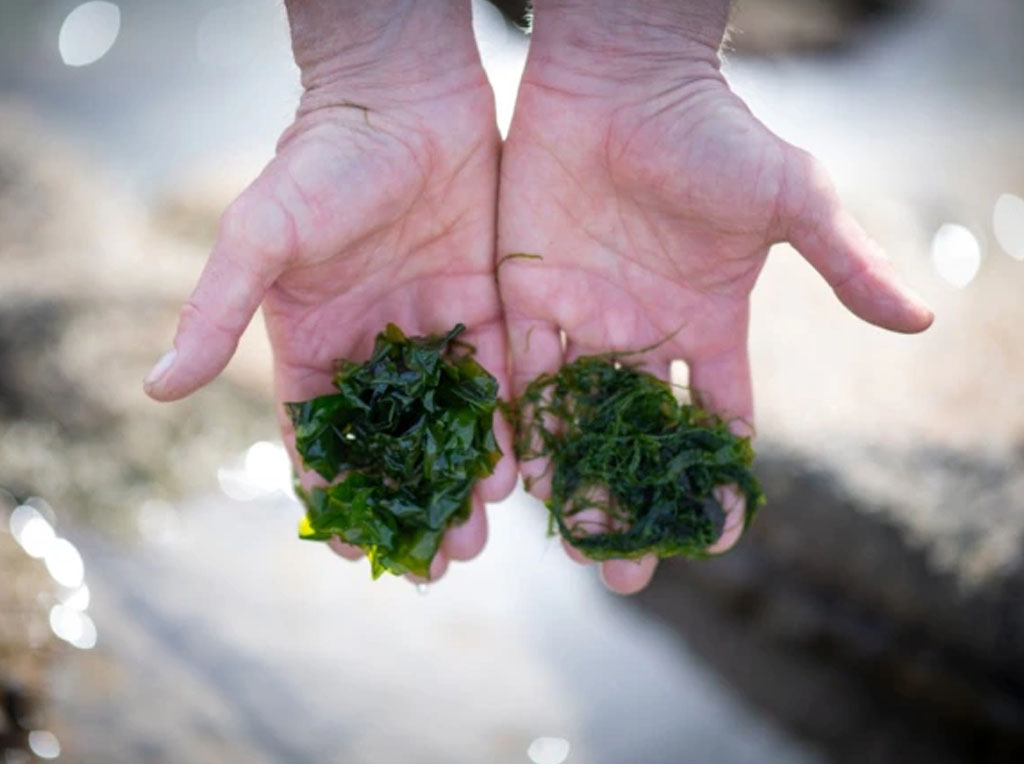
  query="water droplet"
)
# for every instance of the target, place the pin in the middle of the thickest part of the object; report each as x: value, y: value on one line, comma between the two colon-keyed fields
x: 422, y: 588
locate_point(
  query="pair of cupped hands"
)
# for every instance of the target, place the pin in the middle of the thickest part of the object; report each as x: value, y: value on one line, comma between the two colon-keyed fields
x: 647, y: 187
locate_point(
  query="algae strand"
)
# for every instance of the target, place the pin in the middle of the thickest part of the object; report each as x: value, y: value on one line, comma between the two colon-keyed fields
x: 618, y: 440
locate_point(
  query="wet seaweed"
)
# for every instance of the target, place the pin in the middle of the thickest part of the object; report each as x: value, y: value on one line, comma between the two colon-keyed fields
x: 618, y: 440
x: 401, y: 444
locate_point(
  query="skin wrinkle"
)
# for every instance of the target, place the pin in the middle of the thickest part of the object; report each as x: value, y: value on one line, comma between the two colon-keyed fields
x: 353, y: 52
x: 624, y: 225
x: 617, y: 281
x: 569, y: 173
x: 616, y: 285
x: 464, y: 163
x: 802, y: 177
x: 392, y: 287
x: 624, y: 256
x: 667, y: 39
x: 314, y: 213
x: 691, y: 93
x: 401, y: 219
x: 385, y: 224
x: 193, y: 313
x: 309, y: 331
x: 291, y: 296
x: 647, y: 184
x: 859, y: 270
x: 685, y: 281
x: 775, y: 226
x: 446, y: 231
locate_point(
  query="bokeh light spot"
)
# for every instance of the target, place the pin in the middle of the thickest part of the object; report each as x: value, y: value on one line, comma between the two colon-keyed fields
x: 267, y: 465
x: 89, y: 32
x: 31, y: 530
x: 64, y: 563
x: 956, y: 254
x: 1008, y: 223
x: 264, y: 469
x: 548, y: 749
x: 74, y: 627
x: 78, y: 599
x: 44, y: 744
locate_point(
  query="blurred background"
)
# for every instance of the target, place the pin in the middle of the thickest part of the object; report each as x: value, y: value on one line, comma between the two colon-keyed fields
x: 155, y: 603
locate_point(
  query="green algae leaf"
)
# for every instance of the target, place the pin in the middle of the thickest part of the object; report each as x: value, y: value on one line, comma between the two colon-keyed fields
x: 401, y: 443
x: 619, y: 441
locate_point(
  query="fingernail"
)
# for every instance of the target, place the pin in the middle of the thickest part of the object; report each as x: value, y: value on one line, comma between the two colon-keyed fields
x: 162, y: 366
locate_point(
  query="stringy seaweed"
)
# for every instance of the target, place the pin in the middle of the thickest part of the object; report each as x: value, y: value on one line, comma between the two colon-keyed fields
x: 618, y: 440
x: 401, y: 444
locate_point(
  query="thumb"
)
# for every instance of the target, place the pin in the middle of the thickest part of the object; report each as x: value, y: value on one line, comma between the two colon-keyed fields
x: 852, y: 263
x: 252, y: 245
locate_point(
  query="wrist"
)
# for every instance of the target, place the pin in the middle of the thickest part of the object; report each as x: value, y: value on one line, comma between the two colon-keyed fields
x: 584, y: 46
x: 383, y: 52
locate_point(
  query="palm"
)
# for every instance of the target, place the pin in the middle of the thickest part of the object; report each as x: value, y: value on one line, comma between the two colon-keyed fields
x: 653, y: 219
x: 651, y: 229
x: 387, y: 230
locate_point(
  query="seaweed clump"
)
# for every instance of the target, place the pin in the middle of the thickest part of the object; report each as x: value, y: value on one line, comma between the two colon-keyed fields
x: 401, y: 444
x: 618, y: 440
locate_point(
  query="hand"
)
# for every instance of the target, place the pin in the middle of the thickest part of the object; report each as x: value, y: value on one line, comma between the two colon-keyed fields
x: 652, y: 195
x: 378, y: 207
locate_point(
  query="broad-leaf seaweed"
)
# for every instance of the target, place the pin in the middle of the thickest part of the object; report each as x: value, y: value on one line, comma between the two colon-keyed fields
x: 401, y: 443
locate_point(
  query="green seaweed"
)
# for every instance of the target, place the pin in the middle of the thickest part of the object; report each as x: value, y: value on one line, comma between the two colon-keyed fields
x: 401, y: 443
x: 618, y: 440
